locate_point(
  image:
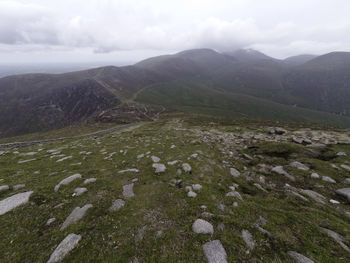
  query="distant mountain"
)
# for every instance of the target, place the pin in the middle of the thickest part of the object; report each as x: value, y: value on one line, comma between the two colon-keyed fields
x: 298, y: 60
x: 201, y: 80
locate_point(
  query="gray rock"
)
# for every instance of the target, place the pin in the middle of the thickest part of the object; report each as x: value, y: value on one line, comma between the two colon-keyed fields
x: 63, y: 159
x: 128, y: 190
x: 341, y: 154
x: 196, y: 187
x: 50, y: 221
x: 79, y: 191
x: 262, y: 230
x: 201, y: 226
x: 191, y: 194
x: 117, y: 204
x: 297, y: 195
x: 235, y: 194
x: 89, y: 180
x: 347, y: 181
x: 14, y: 201
x: 131, y: 170
x: 328, y: 179
x: 186, y: 167
x: 26, y: 161
x: 260, y: 187
x: 18, y: 186
x: 338, y: 238
x: 155, y: 159
x: 234, y: 172
x: 67, y: 180
x: 299, y: 258
x: 77, y: 214
x: 4, y: 188
x: 299, y: 166
x: 248, y: 239
x: 315, y: 175
x: 346, y: 167
x: 160, y: 168
x: 314, y: 195
x: 207, y: 215
x: 67, y: 244
x: 215, y: 252
x: 281, y: 171
x: 345, y: 192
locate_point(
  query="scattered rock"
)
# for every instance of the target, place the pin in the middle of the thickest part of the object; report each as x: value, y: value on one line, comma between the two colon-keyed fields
x: 346, y: 167
x: 281, y: 171
x: 4, y: 188
x: 314, y: 195
x: 335, y: 202
x: 328, y: 179
x: 26, y: 161
x: 338, y: 238
x: 260, y: 187
x: 186, y: 167
x: 315, y: 176
x: 14, y: 201
x: 128, y: 190
x: 297, y: 195
x: 248, y: 239
x: 77, y: 214
x: 67, y: 244
x: 299, y: 166
x: 117, y: 204
x: 17, y: 187
x: 341, y: 154
x: 160, y: 168
x: 345, y: 192
x: 80, y: 190
x: 235, y: 194
x: 89, y: 180
x: 234, y: 172
x: 299, y: 258
x: 347, y: 181
x: 173, y: 162
x: 50, y: 221
x: 131, y: 170
x: 207, y: 215
x: 196, y: 187
x: 215, y: 252
x: 201, y: 226
x: 191, y: 194
x: 155, y: 159
x: 67, y: 180
x: 63, y: 159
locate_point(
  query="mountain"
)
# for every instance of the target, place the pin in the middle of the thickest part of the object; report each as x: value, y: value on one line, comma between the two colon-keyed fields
x: 240, y: 83
x: 298, y: 60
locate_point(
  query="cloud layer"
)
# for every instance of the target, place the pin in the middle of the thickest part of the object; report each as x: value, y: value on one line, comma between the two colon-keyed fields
x: 99, y: 27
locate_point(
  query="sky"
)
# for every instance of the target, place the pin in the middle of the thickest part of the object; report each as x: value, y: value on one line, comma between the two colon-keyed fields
x: 126, y: 31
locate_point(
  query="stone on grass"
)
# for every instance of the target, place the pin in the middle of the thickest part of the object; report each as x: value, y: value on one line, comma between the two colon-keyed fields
x: 346, y: 167
x: 80, y: 190
x: 345, y: 192
x: 328, y: 179
x: 160, y: 168
x: 89, y: 180
x: 215, y: 252
x: 201, y: 226
x: 314, y: 195
x: 4, y: 188
x: 67, y: 180
x: 260, y: 187
x: 235, y: 194
x: 281, y: 171
x: 50, y: 221
x: 299, y: 166
x: 18, y: 186
x: 315, y: 175
x: 63, y: 159
x: 196, y: 187
x: 341, y: 154
x: 173, y: 162
x: 117, y: 204
x: 335, y: 202
x: 234, y: 172
x: 191, y: 194
x: 347, y: 181
x: 77, y: 214
x: 297, y: 195
x: 338, y: 238
x: 128, y: 190
x: 131, y: 170
x: 299, y: 258
x: 14, y: 201
x: 67, y: 244
x: 248, y: 239
x: 186, y: 167
x: 26, y: 161
x: 155, y: 159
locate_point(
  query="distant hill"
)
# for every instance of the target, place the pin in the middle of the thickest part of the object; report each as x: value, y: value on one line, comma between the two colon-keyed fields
x: 298, y: 60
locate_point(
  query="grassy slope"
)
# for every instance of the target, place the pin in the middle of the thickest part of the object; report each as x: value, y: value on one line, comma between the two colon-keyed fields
x: 197, y: 97
x: 112, y: 236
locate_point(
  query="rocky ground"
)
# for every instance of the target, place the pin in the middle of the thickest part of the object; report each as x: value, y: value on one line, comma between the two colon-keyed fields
x: 180, y: 190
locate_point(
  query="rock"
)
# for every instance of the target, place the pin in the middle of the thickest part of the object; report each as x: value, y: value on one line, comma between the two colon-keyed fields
x: 191, y: 194
x: 63, y: 159
x: 221, y: 207
x: 67, y: 244
x: 277, y: 130
x: 196, y: 187
x: 346, y: 167
x: 262, y: 230
x: 117, y: 204
x: 128, y: 191
x: 160, y: 168
x: 4, y: 188
x: 281, y: 171
x: 201, y: 226
x: 315, y: 175
x: 341, y: 154
x: 26, y: 161
x: 235, y: 204
x: 301, y: 140
x: 14, y: 201
x: 297, y: 195
x: 347, y: 181
x: 173, y: 162
x: 188, y: 188
x: 338, y: 238
x: 67, y: 180
x: 345, y: 192
x: 234, y: 172
x: 260, y: 187
x: 77, y: 214
x: 80, y: 190
x: 155, y: 159
x: 186, y: 167
x: 328, y: 179
x: 299, y: 258
x: 207, y: 215
x: 314, y: 195
x: 131, y: 170
x: 215, y: 252
x: 89, y: 180
x: 335, y: 202
x: 50, y: 221
x: 299, y: 166
x: 248, y: 239
x: 235, y: 194
x: 204, y: 207
x: 17, y: 187
x: 135, y: 180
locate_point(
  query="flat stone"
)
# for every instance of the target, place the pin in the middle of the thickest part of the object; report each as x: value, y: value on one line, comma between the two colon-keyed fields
x: 128, y: 190
x: 89, y: 180
x: 14, y: 201
x: 186, y: 167
x: 297, y: 195
x: 79, y: 191
x: 338, y: 238
x: 160, y: 168
x: 345, y: 192
x: 131, y: 170
x: 299, y: 258
x: 67, y: 244
x: 235, y: 194
x: 260, y: 187
x: 63, y: 159
x: 173, y: 162
x: 328, y: 179
x: 346, y: 167
x: 314, y: 195
x: 77, y: 214
x: 26, y: 161
x: 67, y: 180
x: 215, y: 252
x: 117, y: 204
x: 18, y: 186
x: 50, y: 221
x: 234, y: 172
x: 155, y: 159
x: 196, y: 187
x: 281, y: 171
x: 299, y: 166
x: 201, y: 226
x: 248, y: 239
x: 315, y: 176
x: 4, y: 188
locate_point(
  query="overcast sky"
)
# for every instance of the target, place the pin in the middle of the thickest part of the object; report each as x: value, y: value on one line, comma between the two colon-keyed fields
x: 125, y: 31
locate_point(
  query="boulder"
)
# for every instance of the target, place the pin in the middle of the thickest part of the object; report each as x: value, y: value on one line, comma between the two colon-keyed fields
x: 345, y: 192
x: 77, y: 214
x: 314, y: 195
x: 248, y: 239
x: 128, y: 190
x: 299, y: 166
x: 281, y: 171
x: 215, y: 252
x: 67, y: 180
x: 160, y: 168
x: 117, y: 204
x: 234, y: 172
x: 67, y: 244
x: 201, y: 226
x: 14, y: 201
